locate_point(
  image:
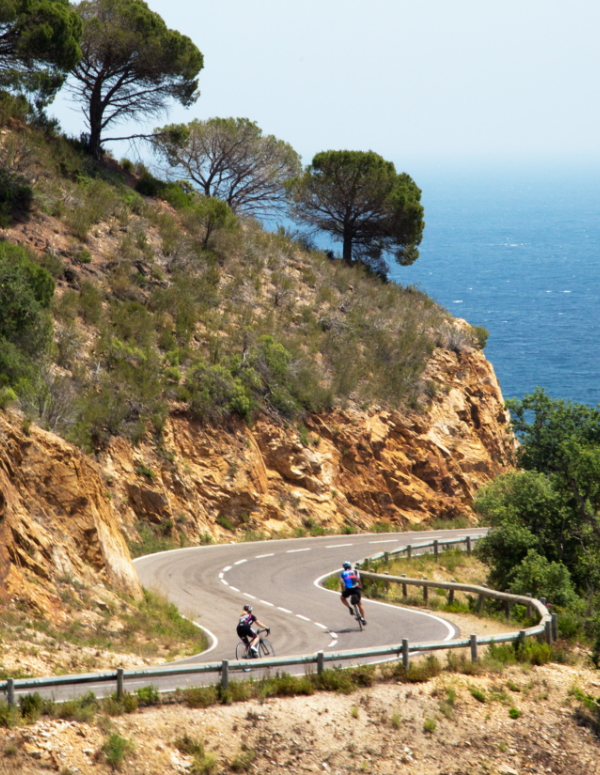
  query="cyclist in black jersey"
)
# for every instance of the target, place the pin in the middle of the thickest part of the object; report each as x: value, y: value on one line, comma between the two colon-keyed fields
x: 245, y: 631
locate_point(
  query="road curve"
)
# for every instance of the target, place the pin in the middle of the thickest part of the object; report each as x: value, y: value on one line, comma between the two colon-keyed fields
x: 210, y: 584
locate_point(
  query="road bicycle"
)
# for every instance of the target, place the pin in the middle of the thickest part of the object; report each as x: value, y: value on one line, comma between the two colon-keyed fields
x: 264, y: 647
x: 354, y: 601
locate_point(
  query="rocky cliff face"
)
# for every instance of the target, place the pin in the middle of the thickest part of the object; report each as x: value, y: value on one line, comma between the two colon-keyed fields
x: 56, y: 520
x: 64, y: 514
x: 349, y: 468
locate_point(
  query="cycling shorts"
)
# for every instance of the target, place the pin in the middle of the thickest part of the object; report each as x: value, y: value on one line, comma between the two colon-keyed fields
x: 245, y: 632
x: 350, y: 592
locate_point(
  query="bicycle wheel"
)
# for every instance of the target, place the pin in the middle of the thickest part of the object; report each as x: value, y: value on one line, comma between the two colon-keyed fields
x: 265, y: 649
x: 240, y: 650
x: 358, y: 617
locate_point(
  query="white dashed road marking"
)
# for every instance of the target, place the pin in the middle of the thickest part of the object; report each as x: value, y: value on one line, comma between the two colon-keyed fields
x: 306, y: 619
x: 258, y: 556
x: 228, y: 567
x: 239, y: 562
x: 322, y: 626
x: 294, y: 551
x: 220, y: 575
x: 333, y: 643
x: 225, y: 582
x: 285, y: 610
x: 392, y: 541
x: 235, y: 589
x: 266, y: 602
x: 250, y: 596
x: 337, y: 546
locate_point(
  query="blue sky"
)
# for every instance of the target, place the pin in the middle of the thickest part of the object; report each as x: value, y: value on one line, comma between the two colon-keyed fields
x: 421, y: 82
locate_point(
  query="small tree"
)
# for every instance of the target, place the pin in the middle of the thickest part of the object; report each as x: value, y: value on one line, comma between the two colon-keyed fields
x: 358, y: 198
x: 132, y: 65
x: 231, y: 159
x: 39, y: 43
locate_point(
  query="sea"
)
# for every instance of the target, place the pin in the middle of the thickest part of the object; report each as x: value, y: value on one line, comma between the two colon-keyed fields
x: 516, y: 248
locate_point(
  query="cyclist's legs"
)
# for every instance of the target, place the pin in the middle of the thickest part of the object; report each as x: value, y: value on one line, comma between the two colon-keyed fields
x: 345, y: 601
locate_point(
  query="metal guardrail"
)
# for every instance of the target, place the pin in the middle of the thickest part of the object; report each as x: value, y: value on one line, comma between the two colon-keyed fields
x: 547, y: 626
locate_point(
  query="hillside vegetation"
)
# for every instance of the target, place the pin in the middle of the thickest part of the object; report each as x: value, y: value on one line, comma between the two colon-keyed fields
x: 165, y: 301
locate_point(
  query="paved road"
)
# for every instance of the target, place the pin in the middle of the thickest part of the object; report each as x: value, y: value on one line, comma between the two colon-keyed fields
x: 210, y: 584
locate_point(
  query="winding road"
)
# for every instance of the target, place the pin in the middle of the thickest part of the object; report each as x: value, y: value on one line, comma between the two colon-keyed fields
x: 211, y: 584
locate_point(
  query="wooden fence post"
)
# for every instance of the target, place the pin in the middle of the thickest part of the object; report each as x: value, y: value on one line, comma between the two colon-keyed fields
x: 225, y: 674
x: 120, y: 683
x: 405, y: 657
x: 473, y: 648
x: 320, y: 663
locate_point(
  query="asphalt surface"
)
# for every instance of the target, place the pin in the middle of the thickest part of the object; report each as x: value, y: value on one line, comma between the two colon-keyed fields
x: 211, y: 584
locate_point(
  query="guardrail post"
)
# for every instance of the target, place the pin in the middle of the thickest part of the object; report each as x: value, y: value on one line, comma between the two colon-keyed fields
x: 10, y: 691
x: 225, y: 674
x: 367, y: 563
x: 386, y: 556
x: 479, y: 605
x: 528, y: 606
x: 522, y: 636
x: 405, y: 658
x: 120, y: 687
x: 554, y: 626
x: 408, y: 552
x: 320, y: 662
x: 473, y: 648
x: 469, y: 545
x: 436, y: 550
x: 425, y: 591
x: 549, y: 632
x: 404, y: 591
x: 451, y: 593
x: 543, y: 600
x: 387, y: 583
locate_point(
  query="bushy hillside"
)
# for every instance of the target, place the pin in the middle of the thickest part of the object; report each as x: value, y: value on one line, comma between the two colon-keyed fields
x: 166, y: 301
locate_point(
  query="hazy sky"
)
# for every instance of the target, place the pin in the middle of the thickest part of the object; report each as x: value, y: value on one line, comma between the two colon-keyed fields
x: 418, y: 81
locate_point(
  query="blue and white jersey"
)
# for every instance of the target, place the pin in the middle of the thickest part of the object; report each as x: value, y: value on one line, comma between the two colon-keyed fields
x: 351, y: 579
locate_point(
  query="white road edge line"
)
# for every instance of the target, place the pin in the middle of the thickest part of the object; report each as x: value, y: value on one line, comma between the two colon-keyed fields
x: 215, y: 640
x: 306, y: 619
x: 235, y: 589
x: 285, y: 610
x: 294, y: 551
x: 451, y: 630
x: 337, y: 546
x: 239, y: 562
x: 259, y: 556
x: 266, y: 602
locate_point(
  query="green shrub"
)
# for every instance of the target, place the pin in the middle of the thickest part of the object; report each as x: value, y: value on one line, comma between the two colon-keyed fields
x: 429, y: 725
x: 148, y: 695
x: 15, y: 195
x: 418, y: 672
x: 9, y: 715
x: 225, y: 523
x: 243, y: 759
x: 189, y: 745
x: 82, y: 709
x: 7, y: 397
x: 481, y: 336
x: 90, y: 302
x: 115, y: 707
x: 32, y: 706
x: 200, y: 696
x: 115, y: 749
x: 477, y: 693
x: 514, y: 713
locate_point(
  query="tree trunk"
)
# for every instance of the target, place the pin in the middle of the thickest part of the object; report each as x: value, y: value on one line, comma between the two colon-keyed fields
x: 347, y: 253
x: 96, y: 113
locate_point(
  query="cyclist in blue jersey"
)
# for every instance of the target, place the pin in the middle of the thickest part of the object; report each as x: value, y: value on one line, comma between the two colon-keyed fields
x: 351, y: 588
x: 245, y: 631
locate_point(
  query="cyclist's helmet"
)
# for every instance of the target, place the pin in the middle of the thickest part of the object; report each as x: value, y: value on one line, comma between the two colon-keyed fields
x: 347, y: 565
x: 248, y: 608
